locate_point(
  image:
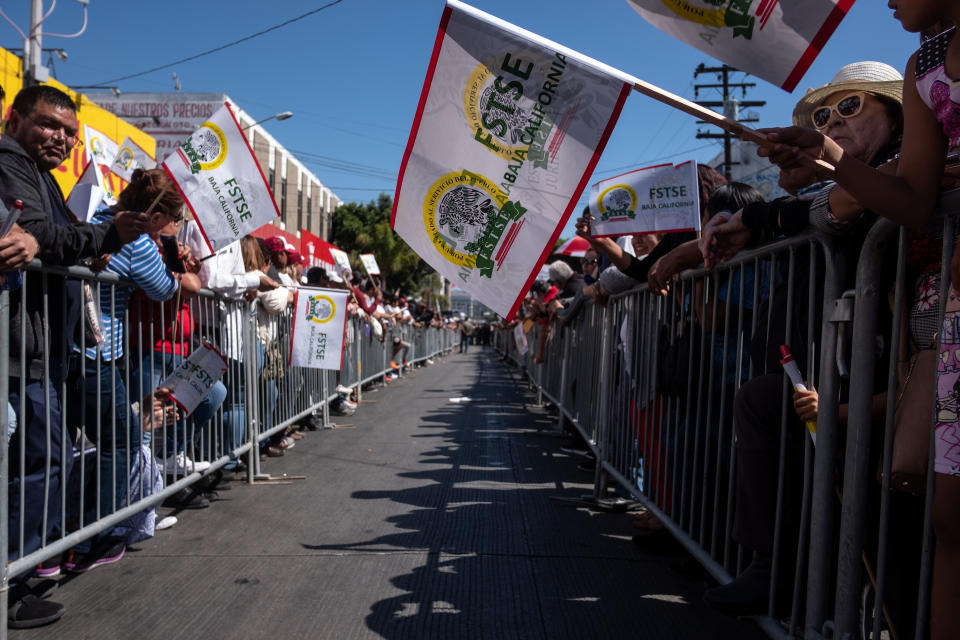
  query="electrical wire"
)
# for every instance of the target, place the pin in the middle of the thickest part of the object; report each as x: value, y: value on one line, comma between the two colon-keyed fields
x: 222, y: 47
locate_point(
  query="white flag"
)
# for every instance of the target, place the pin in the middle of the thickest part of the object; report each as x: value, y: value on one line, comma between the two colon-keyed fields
x: 520, y: 338
x: 87, y: 194
x: 507, y: 133
x: 370, y: 263
x: 100, y: 151
x: 659, y: 199
x: 319, y: 323
x: 776, y: 41
x: 193, y: 378
x: 129, y: 158
x: 221, y: 181
x: 342, y: 259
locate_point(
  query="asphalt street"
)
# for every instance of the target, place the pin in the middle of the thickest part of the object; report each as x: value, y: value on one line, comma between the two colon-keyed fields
x: 421, y: 518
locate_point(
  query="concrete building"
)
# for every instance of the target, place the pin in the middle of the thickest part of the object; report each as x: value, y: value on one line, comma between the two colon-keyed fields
x: 304, y: 202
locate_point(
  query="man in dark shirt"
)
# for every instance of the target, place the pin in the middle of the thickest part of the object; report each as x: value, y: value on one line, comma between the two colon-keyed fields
x: 41, y: 131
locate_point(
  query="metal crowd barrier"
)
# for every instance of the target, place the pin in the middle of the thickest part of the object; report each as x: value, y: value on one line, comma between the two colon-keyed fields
x: 79, y: 462
x: 651, y: 384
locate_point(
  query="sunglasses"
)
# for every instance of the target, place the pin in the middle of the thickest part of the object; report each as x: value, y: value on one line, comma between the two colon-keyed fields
x: 589, y: 261
x: 846, y: 108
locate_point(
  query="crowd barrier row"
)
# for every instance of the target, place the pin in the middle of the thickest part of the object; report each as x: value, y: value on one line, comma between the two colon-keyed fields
x: 652, y: 384
x: 85, y: 456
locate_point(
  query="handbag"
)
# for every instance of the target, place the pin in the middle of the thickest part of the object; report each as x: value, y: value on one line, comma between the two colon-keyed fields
x: 912, y: 421
x: 273, y: 368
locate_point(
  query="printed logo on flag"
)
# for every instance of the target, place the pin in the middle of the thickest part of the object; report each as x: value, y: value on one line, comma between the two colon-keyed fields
x: 618, y: 202
x: 319, y: 325
x: 497, y: 113
x: 465, y: 223
x: 732, y: 14
x: 658, y: 199
x: 320, y: 309
x: 205, y: 150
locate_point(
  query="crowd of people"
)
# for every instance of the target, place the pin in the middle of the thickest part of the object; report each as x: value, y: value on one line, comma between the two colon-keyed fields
x: 887, y: 139
x: 103, y: 347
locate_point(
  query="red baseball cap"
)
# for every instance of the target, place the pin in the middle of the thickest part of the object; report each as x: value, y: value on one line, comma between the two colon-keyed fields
x: 275, y: 244
x: 294, y: 257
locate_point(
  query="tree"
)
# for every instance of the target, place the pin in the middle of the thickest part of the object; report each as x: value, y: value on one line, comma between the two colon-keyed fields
x: 365, y: 228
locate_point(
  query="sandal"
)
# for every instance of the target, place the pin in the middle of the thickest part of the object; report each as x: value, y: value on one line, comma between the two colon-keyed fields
x: 647, y: 521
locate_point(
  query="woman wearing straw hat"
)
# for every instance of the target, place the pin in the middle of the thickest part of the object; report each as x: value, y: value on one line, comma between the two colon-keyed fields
x: 860, y: 108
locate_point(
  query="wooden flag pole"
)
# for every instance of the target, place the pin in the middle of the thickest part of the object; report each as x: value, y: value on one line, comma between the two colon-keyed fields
x: 156, y: 200
x: 714, y: 118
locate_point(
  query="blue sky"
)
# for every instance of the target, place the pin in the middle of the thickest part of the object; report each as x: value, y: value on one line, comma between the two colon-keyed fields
x: 352, y: 73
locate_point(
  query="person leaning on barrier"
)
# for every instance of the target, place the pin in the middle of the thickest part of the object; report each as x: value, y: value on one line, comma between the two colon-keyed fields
x: 99, y: 387
x: 41, y: 131
x: 871, y: 132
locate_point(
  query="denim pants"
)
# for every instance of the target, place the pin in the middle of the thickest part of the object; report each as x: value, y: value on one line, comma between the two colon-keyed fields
x: 37, y: 444
x: 111, y: 426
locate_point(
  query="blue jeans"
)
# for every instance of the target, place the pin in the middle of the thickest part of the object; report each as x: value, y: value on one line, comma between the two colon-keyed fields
x: 111, y: 426
x: 32, y: 432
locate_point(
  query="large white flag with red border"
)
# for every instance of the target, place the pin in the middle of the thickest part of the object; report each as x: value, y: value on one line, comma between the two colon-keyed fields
x: 660, y: 199
x: 508, y: 130
x: 220, y: 180
x: 773, y: 40
x: 319, y: 325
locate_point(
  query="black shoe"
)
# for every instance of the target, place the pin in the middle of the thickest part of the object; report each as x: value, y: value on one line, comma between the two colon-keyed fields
x: 589, y: 465
x: 213, y: 482
x: 658, y: 541
x: 186, y: 499
x: 748, y: 595
x: 31, y: 611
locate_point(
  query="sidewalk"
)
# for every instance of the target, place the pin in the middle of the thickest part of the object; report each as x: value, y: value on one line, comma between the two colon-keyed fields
x: 426, y: 520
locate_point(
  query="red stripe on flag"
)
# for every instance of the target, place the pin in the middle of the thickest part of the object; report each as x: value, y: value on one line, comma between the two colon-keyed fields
x: 763, y: 5
x: 508, y: 241
x: 766, y: 16
x: 829, y: 26
x: 343, y: 338
x: 254, y: 158
x: 189, y: 205
x: 614, y: 116
x: 293, y: 326
x: 437, y: 46
x: 645, y: 233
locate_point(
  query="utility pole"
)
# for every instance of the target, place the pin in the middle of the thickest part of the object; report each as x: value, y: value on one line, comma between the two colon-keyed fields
x: 34, y: 71
x: 731, y: 107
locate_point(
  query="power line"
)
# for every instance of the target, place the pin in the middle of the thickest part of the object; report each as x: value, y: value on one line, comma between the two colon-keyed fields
x: 646, y: 162
x: 225, y: 46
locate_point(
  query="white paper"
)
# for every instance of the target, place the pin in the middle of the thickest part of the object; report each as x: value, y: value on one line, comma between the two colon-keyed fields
x: 193, y: 378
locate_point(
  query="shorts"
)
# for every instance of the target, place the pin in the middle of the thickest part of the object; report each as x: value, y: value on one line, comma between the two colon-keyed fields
x: 946, y: 434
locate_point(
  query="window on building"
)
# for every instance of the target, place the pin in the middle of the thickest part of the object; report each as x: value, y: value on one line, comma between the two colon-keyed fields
x: 283, y: 197
x: 299, y: 208
x: 273, y: 179
x: 309, y: 213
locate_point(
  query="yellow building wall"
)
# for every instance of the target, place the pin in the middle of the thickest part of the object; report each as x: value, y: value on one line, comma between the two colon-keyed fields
x: 67, y: 174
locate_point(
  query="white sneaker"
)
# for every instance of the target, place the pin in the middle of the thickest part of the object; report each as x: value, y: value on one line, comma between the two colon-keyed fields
x: 349, y: 405
x: 181, y: 464
x: 344, y: 390
x: 429, y: 361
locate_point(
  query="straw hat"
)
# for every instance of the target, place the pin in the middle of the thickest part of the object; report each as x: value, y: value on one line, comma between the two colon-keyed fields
x: 873, y: 77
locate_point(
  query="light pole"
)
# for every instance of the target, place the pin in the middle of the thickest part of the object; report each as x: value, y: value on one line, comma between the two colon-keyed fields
x: 283, y: 115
